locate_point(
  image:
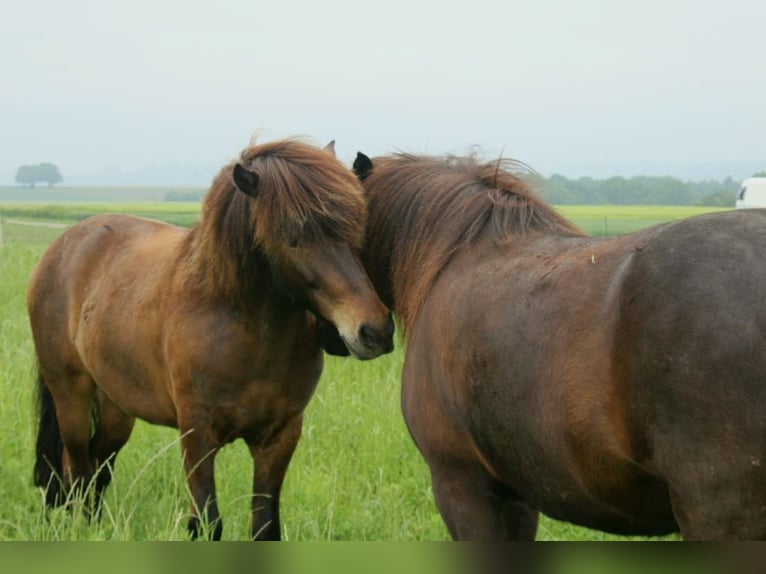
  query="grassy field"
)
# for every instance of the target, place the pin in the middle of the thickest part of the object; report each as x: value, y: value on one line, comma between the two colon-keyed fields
x: 178, y: 213
x: 355, y: 476
x: 595, y: 219
x: 619, y: 219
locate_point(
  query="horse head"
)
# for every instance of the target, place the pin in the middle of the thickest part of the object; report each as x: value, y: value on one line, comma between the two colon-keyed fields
x: 310, y: 225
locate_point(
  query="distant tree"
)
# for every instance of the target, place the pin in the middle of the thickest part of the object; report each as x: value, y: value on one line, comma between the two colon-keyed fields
x: 183, y: 195
x: 555, y: 190
x: 42, y: 172
x: 25, y: 175
x: 760, y: 174
x: 719, y: 199
x: 49, y: 173
x: 637, y: 190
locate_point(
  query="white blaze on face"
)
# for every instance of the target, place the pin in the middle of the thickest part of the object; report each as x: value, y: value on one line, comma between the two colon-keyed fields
x: 348, y: 326
x: 341, y: 292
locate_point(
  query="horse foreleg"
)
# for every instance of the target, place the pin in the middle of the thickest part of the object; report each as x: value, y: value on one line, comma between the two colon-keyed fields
x: 473, y: 503
x: 475, y: 507
x: 199, y: 463
x: 520, y: 519
x: 271, y: 461
x: 715, y: 500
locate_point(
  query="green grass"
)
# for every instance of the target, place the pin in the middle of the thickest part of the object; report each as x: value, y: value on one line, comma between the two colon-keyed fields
x: 178, y: 213
x: 620, y: 219
x: 356, y: 474
x: 30, y: 234
x: 595, y: 219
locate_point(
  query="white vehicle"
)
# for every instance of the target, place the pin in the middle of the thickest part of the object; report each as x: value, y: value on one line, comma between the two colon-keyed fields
x: 752, y: 193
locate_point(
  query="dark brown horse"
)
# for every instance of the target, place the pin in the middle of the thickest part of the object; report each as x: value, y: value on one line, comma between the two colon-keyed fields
x: 616, y: 383
x: 211, y: 330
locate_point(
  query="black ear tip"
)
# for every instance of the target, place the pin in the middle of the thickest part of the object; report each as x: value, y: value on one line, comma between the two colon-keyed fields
x: 362, y: 165
x: 245, y: 179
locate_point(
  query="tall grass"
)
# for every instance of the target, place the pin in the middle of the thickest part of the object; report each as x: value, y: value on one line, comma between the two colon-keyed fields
x: 620, y: 219
x: 177, y: 213
x: 356, y: 474
x: 595, y: 219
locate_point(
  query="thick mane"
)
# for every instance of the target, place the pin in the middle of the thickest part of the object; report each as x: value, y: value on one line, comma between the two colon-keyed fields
x: 304, y: 196
x: 424, y: 209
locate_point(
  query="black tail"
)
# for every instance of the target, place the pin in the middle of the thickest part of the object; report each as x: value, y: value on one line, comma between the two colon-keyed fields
x: 49, y: 447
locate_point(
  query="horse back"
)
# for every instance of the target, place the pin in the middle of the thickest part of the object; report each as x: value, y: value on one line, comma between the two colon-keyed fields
x: 95, y: 252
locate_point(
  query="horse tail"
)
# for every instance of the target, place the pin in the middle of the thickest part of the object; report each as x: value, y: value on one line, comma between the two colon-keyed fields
x: 49, y: 448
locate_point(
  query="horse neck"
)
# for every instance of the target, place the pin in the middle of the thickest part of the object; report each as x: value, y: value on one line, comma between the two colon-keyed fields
x: 420, y: 219
x: 240, y: 279
x: 402, y: 263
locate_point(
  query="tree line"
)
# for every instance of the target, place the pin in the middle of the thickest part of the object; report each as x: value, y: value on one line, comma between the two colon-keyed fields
x: 29, y: 175
x: 557, y: 189
x: 184, y: 196
x: 638, y: 190
x: 560, y: 190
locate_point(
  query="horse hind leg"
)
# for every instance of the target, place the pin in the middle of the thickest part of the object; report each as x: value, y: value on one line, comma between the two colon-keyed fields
x: 63, y: 465
x: 49, y: 448
x: 112, y: 429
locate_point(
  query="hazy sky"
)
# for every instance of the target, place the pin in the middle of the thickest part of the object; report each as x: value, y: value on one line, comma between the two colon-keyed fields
x: 90, y: 85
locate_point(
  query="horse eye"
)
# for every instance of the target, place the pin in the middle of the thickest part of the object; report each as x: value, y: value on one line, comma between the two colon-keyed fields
x: 293, y: 243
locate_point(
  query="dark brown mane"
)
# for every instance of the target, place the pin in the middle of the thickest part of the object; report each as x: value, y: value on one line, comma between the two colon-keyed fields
x: 305, y: 196
x: 424, y: 209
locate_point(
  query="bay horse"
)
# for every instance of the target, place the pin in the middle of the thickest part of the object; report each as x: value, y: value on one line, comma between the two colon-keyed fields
x: 212, y: 329
x: 615, y: 383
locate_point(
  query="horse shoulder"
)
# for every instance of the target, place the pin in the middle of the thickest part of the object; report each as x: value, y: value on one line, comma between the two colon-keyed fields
x: 223, y: 358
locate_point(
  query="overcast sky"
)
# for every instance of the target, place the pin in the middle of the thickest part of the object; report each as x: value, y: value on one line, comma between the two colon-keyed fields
x: 91, y: 85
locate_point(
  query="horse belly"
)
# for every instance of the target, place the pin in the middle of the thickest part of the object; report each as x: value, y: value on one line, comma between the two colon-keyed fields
x: 131, y: 378
x: 119, y: 337
x: 584, y: 480
x: 615, y: 497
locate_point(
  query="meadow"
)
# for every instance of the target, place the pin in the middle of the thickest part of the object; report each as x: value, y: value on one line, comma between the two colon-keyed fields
x: 355, y: 476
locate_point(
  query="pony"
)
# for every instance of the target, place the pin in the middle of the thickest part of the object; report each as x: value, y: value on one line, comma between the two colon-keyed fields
x: 615, y: 383
x: 212, y: 329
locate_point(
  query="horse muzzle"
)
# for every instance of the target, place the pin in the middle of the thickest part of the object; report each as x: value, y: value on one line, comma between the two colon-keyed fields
x: 370, y: 340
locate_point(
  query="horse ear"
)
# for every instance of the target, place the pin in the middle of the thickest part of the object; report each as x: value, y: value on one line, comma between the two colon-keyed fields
x: 330, y: 147
x: 245, y: 180
x: 362, y: 166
